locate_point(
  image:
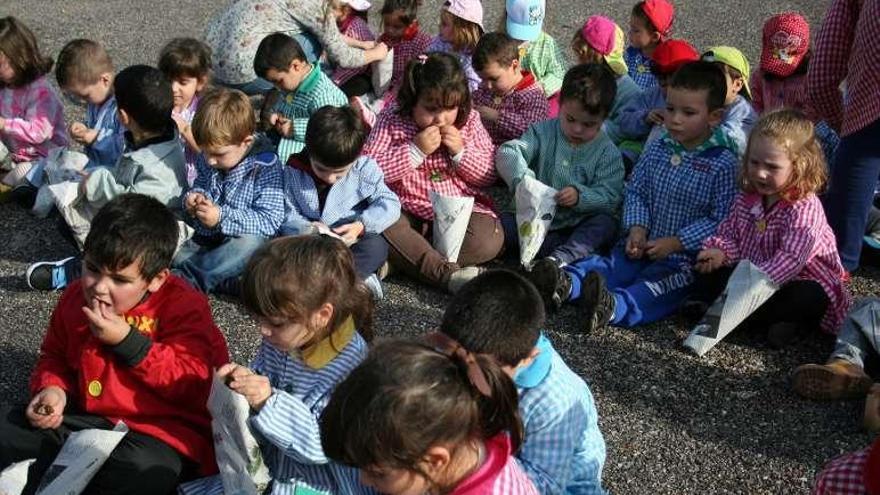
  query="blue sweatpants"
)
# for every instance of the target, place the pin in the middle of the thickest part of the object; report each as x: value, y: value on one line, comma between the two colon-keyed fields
x: 644, y: 290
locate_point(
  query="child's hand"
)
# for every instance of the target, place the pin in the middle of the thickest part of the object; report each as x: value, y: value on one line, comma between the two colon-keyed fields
x: 193, y: 200
x: 635, y: 242
x: 659, y: 249
x: 428, y: 140
x: 350, y: 231
x: 284, y: 126
x: 255, y: 388
x: 207, y: 213
x: 451, y: 138
x: 46, y: 409
x: 76, y: 130
x: 655, y: 116
x: 376, y: 53
x: 709, y: 260
x: 107, y: 326
x: 489, y: 114
x: 567, y: 197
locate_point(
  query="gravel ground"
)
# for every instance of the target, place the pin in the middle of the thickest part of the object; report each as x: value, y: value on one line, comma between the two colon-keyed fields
x: 727, y: 423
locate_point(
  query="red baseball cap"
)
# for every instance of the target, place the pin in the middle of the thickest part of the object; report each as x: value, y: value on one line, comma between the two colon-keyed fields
x: 661, y: 14
x: 785, y: 42
x: 670, y: 55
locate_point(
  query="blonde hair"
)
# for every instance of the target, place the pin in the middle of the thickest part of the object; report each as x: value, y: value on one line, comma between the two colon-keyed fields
x: 224, y: 117
x: 465, y: 34
x: 792, y: 131
x: 583, y: 51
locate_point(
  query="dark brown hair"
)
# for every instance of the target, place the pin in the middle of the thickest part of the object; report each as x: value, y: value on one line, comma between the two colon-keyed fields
x: 406, y: 398
x: 185, y: 57
x: 19, y: 45
x: 495, y: 47
x: 592, y: 85
x: 638, y: 12
x: 292, y: 277
x: 82, y: 62
x: 437, y: 76
x: 409, y: 9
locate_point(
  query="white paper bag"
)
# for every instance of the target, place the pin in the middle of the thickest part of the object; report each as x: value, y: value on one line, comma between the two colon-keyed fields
x: 80, y: 458
x: 747, y: 289
x: 382, y: 72
x: 451, y: 217
x: 238, y: 454
x: 535, y: 209
x: 14, y: 478
x: 56, y: 175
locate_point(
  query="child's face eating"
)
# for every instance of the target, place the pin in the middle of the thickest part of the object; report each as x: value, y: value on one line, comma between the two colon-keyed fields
x: 499, y: 79
x: 688, y: 118
x: 430, y: 111
x: 578, y: 125
x: 119, y: 290
x: 185, y: 89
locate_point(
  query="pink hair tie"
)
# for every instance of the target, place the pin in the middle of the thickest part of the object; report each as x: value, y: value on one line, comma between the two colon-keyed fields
x: 450, y: 347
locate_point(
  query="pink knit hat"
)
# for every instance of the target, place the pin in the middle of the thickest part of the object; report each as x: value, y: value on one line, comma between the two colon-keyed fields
x: 469, y: 10
x: 605, y: 37
x: 785, y: 42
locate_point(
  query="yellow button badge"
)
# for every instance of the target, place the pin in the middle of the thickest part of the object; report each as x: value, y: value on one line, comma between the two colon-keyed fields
x: 95, y: 388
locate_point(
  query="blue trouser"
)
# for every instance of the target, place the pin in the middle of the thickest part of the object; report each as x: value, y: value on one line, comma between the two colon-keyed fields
x: 860, y: 334
x: 207, y: 264
x: 851, y: 190
x: 644, y: 290
x: 567, y: 244
x: 369, y: 253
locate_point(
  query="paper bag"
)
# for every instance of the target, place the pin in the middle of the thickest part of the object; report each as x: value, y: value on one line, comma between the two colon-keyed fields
x: 451, y: 217
x: 747, y: 289
x: 56, y: 175
x: 535, y: 208
x: 83, y: 454
x: 14, y: 478
x: 238, y: 454
x: 382, y: 71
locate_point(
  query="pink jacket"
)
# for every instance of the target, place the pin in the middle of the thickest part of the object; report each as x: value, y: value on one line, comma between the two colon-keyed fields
x: 34, y: 120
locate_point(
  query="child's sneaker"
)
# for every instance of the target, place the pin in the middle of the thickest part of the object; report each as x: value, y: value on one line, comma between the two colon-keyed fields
x: 462, y: 276
x: 375, y: 287
x: 597, y: 302
x: 53, y: 275
x: 551, y: 281
x: 839, y: 379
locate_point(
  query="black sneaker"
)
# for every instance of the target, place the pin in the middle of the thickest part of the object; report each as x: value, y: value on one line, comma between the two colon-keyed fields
x: 597, y: 302
x: 53, y: 275
x: 551, y: 281
x: 24, y: 194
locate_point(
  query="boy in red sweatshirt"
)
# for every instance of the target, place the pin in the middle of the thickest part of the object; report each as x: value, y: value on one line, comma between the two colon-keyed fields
x: 127, y: 342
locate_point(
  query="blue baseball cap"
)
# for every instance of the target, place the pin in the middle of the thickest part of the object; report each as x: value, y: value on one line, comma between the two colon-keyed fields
x: 525, y: 19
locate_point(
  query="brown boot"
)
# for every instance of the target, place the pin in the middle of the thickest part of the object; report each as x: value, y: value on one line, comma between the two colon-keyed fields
x: 872, y: 410
x: 837, y: 380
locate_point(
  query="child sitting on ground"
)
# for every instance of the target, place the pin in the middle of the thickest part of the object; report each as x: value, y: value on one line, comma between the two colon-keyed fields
x: 509, y: 99
x: 601, y: 41
x: 778, y: 224
x: 151, y: 164
x: 31, y: 115
x: 739, y: 116
x: 331, y: 168
x: 401, y: 32
x: 237, y: 201
x: 351, y: 18
x: 855, y: 473
x: 682, y: 187
x: 461, y: 27
x: 650, y: 23
x: 186, y: 62
x: 311, y: 340
x: 85, y: 72
x: 573, y: 155
x: 415, y: 420
x: 304, y: 89
x: 434, y: 141
x: 128, y: 342
x: 538, y: 51
x: 501, y: 314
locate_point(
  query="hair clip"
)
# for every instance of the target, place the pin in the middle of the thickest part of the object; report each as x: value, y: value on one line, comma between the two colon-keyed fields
x: 422, y: 58
x: 449, y: 346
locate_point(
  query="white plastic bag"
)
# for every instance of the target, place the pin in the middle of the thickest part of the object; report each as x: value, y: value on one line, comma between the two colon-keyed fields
x: 14, y: 478
x: 238, y: 454
x: 56, y: 175
x: 382, y: 72
x: 83, y: 454
x: 451, y: 217
x: 535, y: 209
x: 747, y: 289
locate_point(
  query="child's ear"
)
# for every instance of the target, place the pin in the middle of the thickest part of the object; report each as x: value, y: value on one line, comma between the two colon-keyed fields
x: 248, y: 141
x: 715, y: 117
x: 515, y: 65
x: 435, y: 461
x: 156, y: 282
x: 655, y: 37
x: 202, y: 82
x: 322, y: 316
x: 124, y: 119
x: 737, y: 84
x: 106, y: 79
x: 297, y: 65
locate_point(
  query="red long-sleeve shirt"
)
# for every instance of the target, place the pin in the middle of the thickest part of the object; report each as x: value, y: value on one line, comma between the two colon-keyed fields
x: 159, y: 391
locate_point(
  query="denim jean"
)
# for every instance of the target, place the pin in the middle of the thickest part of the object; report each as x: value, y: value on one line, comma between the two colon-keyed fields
x: 860, y: 335
x: 369, y: 253
x: 208, y: 264
x: 851, y: 190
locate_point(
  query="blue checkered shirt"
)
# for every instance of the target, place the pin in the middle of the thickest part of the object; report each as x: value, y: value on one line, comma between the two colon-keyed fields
x: 107, y: 147
x: 564, y: 451
x: 675, y: 192
x: 639, y: 68
x: 315, y: 91
x: 250, y: 196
